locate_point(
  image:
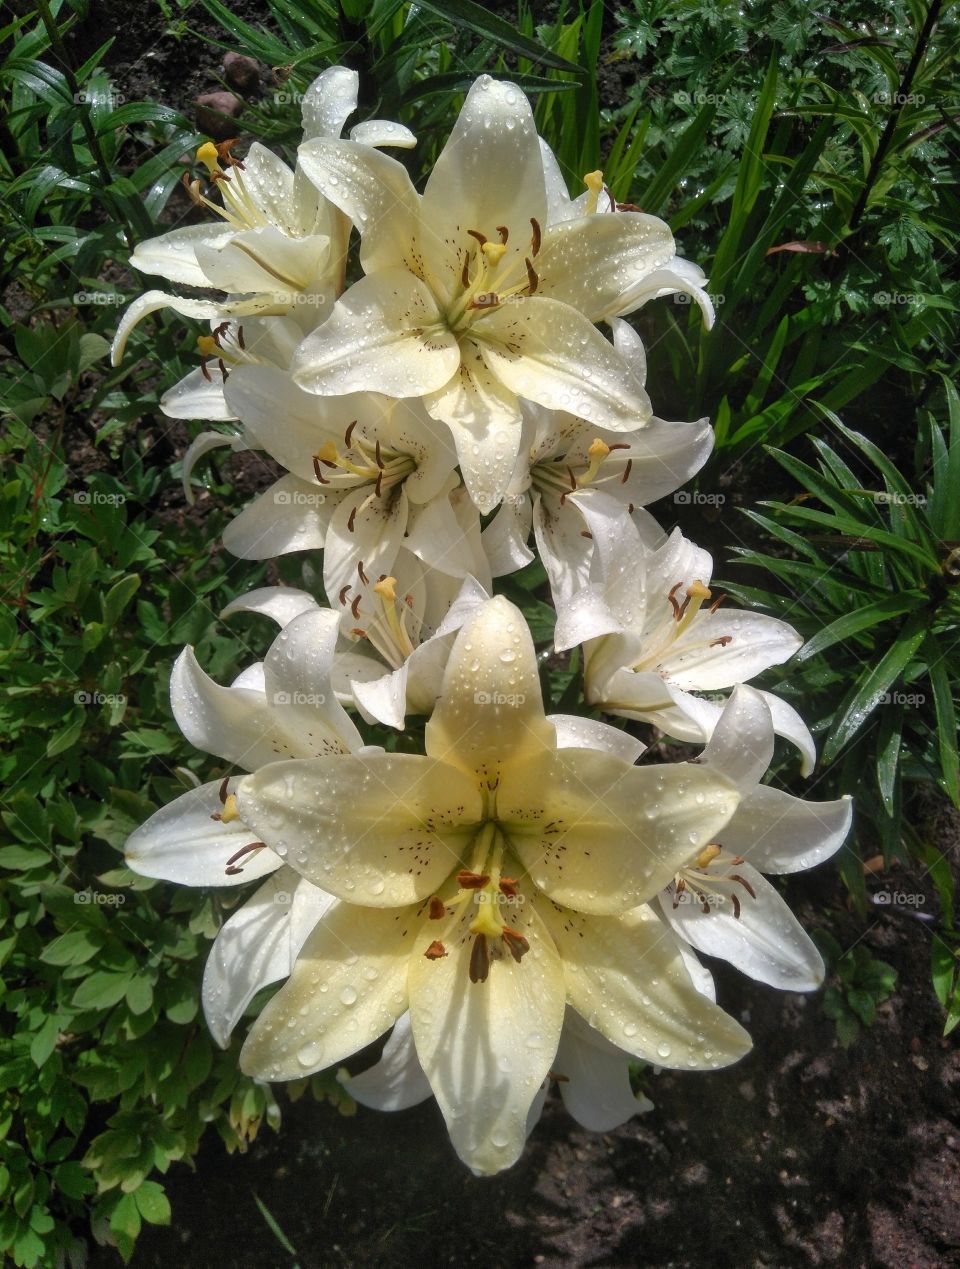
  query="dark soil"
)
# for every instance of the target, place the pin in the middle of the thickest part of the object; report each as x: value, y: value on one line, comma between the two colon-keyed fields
x: 805, y: 1154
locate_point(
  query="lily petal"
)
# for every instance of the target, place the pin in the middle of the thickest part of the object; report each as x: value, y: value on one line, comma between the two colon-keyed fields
x: 779, y: 833
x: 397, y: 1081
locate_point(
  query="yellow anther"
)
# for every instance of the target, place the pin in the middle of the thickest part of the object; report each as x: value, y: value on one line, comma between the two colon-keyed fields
x: 386, y: 588
x: 596, y: 453
x: 594, y: 183
x: 229, y: 811
x: 208, y: 156
x: 697, y: 590
x: 707, y: 856
x: 494, y: 253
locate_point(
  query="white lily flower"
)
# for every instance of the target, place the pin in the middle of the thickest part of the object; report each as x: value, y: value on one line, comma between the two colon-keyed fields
x: 395, y: 636
x: 279, y: 247
x: 284, y: 706
x: 654, y: 634
x: 565, y: 461
x: 720, y: 903
x: 472, y: 299
x: 361, y: 469
x: 675, y: 276
x: 483, y: 887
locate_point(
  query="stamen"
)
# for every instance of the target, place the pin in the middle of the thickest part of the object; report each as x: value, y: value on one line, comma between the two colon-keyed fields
x: 560, y: 1079
x: 361, y: 574
x: 465, y: 273
x: 509, y: 886
x: 344, y: 592
x: 517, y: 945
x: 240, y: 338
x: 736, y: 906
x: 468, y: 880
x: 351, y: 519
x: 475, y: 233
x: 376, y: 454
x: 230, y: 869
x: 437, y: 909
x: 537, y: 236
x: 532, y: 280
x: 435, y: 951
x: 223, y: 790
x: 348, y: 433
x: 479, y: 960
x: 677, y: 610
x: 504, y: 233
x: 717, y: 602
x: 355, y: 607
x: 735, y: 876
x: 626, y: 472
x: 722, y: 641
x: 317, y: 472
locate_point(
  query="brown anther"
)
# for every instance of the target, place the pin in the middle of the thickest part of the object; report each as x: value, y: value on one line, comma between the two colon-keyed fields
x: 193, y: 190
x: 705, y: 909
x: 240, y: 337
x: 532, y: 280
x: 223, y: 790
x: 223, y: 369
x: 560, y: 1079
x: 465, y: 273
x: 359, y: 632
x: 630, y: 508
x: 572, y: 478
x: 735, y: 876
x: 716, y: 603
x: 737, y: 860
x: 618, y: 445
x: 585, y: 534
x: 361, y: 574
x: 509, y: 886
x: 468, y: 880
x: 475, y: 233
x: 348, y: 433
x: 626, y: 472
x: 479, y: 960
x: 377, y: 456
x: 437, y: 909
x: 351, y: 520
x: 318, y: 472
x: 204, y: 371
x: 736, y: 906
x: 517, y: 945
x: 628, y: 207
x: 677, y: 610
x: 344, y: 592
x: 435, y: 951
x: 223, y: 149
x: 378, y: 484
x: 231, y: 870
x: 722, y: 641
x: 537, y: 237
x: 219, y: 176
x: 219, y: 331
x: 504, y: 233
x: 355, y: 607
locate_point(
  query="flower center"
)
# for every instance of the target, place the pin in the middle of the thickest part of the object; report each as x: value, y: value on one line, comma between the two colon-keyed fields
x: 363, y: 462
x: 697, y: 883
x: 557, y: 475
x: 491, y: 893
x: 239, y: 208
x: 486, y: 281
x: 226, y: 346
x: 685, y: 613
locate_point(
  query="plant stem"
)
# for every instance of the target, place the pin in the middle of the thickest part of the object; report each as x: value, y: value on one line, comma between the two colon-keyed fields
x: 933, y: 15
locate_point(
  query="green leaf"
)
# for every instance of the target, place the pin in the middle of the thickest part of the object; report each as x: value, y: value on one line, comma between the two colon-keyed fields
x: 73, y: 948
x: 152, y: 1203
x: 474, y: 17
x: 101, y: 990
x: 869, y: 689
x: 864, y: 618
